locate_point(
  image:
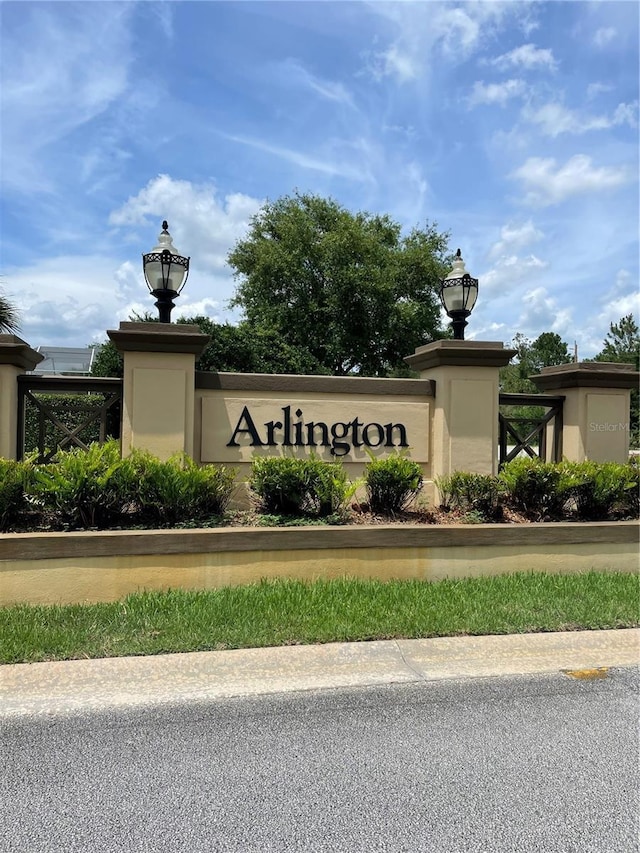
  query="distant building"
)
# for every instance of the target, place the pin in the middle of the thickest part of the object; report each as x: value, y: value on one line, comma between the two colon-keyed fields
x: 65, y: 361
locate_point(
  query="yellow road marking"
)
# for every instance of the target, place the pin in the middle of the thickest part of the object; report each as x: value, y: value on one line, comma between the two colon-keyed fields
x: 588, y: 674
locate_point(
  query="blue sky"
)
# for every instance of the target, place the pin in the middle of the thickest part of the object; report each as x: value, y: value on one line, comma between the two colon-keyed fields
x: 513, y: 126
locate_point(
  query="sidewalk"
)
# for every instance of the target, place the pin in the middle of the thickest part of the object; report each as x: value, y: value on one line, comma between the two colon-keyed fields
x: 83, y: 685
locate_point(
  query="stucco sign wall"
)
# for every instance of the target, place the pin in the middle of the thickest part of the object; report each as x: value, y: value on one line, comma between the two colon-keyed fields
x: 235, y: 428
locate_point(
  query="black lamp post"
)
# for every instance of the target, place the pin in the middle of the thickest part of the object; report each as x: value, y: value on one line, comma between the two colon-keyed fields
x: 165, y: 272
x: 458, y: 294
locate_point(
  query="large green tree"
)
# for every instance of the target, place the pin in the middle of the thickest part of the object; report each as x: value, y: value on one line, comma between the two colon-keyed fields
x: 622, y: 344
x: 245, y: 349
x: 347, y: 291
x: 547, y: 350
x: 234, y: 349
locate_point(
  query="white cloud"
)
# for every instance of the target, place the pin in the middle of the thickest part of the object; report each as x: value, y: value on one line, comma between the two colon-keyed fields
x: 527, y: 56
x: 72, y: 299
x: 555, y: 119
x: 622, y: 299
x: 545, y: 183
x: 626, y: 114
x: 325, y: 162
x: 163, y: 12
x: 293, y: 72
x: 396, y: 62
x: 406, y: 131
x: 496, y: 93
x: 595, y: 89
x: 514, y: 238
x: 509, y: 273
x: 459, y: 30
x: 604, y: 36
x: 65, y: 299
x: 429, y: 31
x: 529, y: 22
x: 201, y: 225
x: 53, y: 83
x: 413, y: 188
x: 541, y: 311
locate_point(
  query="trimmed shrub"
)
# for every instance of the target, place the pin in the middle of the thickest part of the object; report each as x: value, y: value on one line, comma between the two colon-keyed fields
x: 392, y: 483
x: 96, y: 488
x: 280, y: 483
x: 631, y: 505
x: 537, y: 489
x: 13, y: 501
x: 165, y: 493
x: 601, y: 490
x: 288, y: 486
x: 477, y: 494
x: 86, y: 488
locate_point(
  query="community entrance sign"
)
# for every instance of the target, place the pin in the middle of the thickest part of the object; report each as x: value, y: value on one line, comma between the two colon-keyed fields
x: 341, y: 437
x: 234, y: 428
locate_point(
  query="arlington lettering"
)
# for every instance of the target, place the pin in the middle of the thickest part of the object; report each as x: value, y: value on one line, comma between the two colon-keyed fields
x: 340, y: 437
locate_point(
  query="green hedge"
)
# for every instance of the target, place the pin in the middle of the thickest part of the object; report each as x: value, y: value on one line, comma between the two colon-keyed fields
x: 96, y: 489
x: 547, y: 491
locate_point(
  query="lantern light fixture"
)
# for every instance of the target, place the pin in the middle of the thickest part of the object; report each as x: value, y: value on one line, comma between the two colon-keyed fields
x: 458, y: 294
x: 165, y: 271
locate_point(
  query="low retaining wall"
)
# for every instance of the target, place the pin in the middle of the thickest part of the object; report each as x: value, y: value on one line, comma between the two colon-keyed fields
x: 57, y: 568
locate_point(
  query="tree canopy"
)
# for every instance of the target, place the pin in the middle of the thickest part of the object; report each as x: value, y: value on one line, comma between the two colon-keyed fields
x: 346, y: 291
x: 245, y: 349
x: 234, y: 349
x: 547, y: 350
x: 622, y: 342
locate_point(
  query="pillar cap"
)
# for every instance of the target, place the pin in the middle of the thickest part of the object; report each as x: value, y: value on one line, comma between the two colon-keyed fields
x: 460, y: 354
x: 159, y: 337
x: 15, y: 351
x: 587, y: 374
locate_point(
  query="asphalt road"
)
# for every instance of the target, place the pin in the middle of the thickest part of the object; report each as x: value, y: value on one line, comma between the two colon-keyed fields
x: 536, y: 763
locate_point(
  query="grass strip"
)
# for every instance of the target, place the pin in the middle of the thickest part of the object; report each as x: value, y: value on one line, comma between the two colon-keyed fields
x: 285, y: 612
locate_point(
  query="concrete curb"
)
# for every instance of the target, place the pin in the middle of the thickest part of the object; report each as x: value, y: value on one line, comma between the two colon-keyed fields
x: 87, y: 685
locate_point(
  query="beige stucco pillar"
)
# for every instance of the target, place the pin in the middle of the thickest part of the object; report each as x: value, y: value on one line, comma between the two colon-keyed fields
x: 16, y: 357
x: 596, y: 408
x: 159, y: 382
x: 464, y: 426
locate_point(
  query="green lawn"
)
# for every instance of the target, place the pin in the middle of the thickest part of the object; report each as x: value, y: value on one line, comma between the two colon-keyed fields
x: 277, y: 613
